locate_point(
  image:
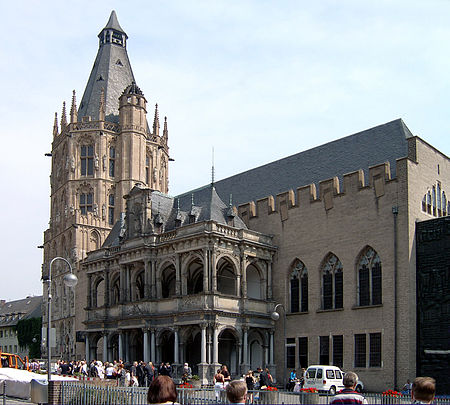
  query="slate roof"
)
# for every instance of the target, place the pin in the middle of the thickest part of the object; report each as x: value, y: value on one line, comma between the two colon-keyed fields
x: 383, y: 143
x: 13, y: 311
x: 112, y: 72
x: 167, y: 210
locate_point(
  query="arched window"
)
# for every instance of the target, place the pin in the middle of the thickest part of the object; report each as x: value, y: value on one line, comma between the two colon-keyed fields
x: 253, y: 282
x: 112, y: 161
x: 332, y: 283
x: 140, y: 286
x: 168, y: 278
x: 299, y: 287
x: 86, y: 203
x: 115, y: 291
x: 369, y: 278
x: 87, y: 160
x: 195, y: 277
x: 226, y: 278
x: 111, y: 209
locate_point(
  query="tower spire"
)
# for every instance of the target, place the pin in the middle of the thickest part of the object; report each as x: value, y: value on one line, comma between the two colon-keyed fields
x: 55, y: 125
x: 63, y: 117
x: 212, y: 168
x: 156, y: 121
x: 73, y: 109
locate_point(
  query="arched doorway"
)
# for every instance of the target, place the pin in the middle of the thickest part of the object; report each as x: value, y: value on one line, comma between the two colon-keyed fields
x: 192, y: 350
x: 228, y: 352
x: 166, y: 345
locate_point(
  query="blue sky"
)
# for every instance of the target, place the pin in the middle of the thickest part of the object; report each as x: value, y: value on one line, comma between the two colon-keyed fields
x: 257, y: 80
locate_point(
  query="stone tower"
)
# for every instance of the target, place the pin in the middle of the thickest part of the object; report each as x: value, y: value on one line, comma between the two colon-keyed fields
x: 99, y: 153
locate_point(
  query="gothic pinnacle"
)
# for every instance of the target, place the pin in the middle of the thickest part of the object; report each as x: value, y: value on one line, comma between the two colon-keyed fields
x: 55, y: 125
x: 63, y: 117
x: 165, y: 131
x: 156, y: 121
x: 73, y: 109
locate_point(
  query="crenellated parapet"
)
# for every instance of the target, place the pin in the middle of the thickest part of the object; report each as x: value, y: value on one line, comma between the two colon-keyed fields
x: 379, y: 176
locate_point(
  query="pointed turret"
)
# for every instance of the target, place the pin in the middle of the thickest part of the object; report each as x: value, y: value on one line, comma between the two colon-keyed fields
x: 55, y: 125
x: 112, y: 72
x: 73, y: 109
x: 165, y: 130
x: 156, y: 121
x: 63, y: 117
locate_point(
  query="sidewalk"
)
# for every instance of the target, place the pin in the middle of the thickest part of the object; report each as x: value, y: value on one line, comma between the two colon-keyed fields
x: 14, y: 401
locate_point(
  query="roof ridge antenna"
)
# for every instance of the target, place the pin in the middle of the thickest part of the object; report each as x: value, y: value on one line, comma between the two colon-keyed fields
x: 212, y: 168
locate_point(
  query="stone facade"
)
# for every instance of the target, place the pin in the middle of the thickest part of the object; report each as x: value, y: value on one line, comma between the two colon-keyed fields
x: 178, y: 278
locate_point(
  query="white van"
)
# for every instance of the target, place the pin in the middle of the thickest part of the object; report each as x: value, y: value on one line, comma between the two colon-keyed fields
x: 324, y: 378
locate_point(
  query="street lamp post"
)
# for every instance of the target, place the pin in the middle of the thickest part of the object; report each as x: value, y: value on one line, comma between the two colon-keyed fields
x: 70, y: 280
x: 275, y: 316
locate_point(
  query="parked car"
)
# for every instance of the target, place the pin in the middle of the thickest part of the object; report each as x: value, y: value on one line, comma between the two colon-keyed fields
x: 324, y: 378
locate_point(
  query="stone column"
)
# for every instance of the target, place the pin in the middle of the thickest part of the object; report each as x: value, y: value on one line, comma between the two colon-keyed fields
x: 245, y: 345
x: 153, y: 278
x: 177, y: 275
x: 89, y: 290
x: 213, y: 272
x: 107, y: 287
x: 203, y: 348
x: 269, y: 280
x: 123, y: 290
x: 128, y: 284
x: 146, y: 352
x: 243, y: 263
x: 153, y: 347
x: 87, y: 353
x: 147, y: 283
x: 271, y: 347
x: 215, y: 343
x: 105, y: 347
x: 205, y: 270
x: 121, y: 345
x: 127, y: 346
x: 175, y: 347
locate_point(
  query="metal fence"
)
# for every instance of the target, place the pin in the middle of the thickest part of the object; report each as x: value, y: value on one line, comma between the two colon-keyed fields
x: 84, y: 394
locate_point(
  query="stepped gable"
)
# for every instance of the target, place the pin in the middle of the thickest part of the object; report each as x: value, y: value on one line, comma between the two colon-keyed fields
x: 111, y: 72
x: 383, y: 143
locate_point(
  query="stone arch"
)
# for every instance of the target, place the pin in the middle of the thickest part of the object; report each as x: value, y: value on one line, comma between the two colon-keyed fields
x: 114, y: 291
x: 331, y: 272
x: 368, y: 277
x: 168, y: 280
x: 255, y: 284
x: 166, y: 340
x: 98, y: 292
x: 192, y: 341
x: 226, y: 276
x: 256, y: 342
x: 138, y: 284
x: 229, y: 352
x: 194, y: 275
x: 94, y: 240
x: 298, y: 286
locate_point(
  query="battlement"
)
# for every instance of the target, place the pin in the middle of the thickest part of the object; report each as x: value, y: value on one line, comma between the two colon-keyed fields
x: 326, y: 191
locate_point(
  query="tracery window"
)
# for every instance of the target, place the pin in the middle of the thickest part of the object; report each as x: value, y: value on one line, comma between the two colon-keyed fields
x: 112, y: 161
x: 369, y: 278
x: 87, y: 160
x: 434, y: 202
x: 332, y: 283
x: 299, y: 287
x: 111, y: 209
x: 86, y: 203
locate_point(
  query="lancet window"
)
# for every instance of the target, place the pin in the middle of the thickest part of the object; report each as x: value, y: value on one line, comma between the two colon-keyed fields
x: 332, y: 283
x: 299, y: 287
x: 369, y: 278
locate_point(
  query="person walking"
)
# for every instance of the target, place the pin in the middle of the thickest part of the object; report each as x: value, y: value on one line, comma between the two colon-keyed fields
x: 348, y: 395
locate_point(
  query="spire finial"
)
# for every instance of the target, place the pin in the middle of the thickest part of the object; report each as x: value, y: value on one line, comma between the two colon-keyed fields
x: 55, y: 125
x: 212, y: 168
x: 231, y: 200
x: 165, y: 131
x: 156, y: 121
x: 101, y: 111
x: 192, y: 200
x: 63, y: 117
x: 73, y: 109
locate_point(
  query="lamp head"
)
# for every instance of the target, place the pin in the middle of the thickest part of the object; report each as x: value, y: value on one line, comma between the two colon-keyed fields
x: 275, y: 315
x: 70, y: 280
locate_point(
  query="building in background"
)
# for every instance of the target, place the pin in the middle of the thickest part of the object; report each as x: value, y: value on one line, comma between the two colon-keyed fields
x: 328, y: 233
x: 10, y: 314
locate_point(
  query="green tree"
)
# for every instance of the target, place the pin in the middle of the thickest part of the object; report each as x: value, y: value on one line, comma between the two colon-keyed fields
x: 29, y: 335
